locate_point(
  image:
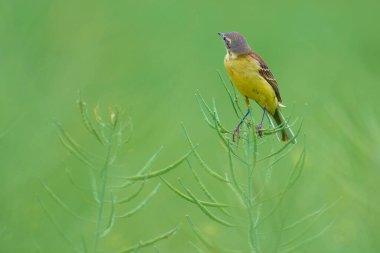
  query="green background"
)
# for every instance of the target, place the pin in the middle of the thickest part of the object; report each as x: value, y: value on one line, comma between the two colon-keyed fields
x: 149, y: 58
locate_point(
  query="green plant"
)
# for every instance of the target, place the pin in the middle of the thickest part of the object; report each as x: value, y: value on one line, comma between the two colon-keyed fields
x: 109, y: 193
x: 258, y: 187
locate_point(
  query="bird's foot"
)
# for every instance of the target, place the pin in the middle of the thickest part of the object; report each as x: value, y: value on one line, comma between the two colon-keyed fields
x: 259, y: 130
x: 236, y: 133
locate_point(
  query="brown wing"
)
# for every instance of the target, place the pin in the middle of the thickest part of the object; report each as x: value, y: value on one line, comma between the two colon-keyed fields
x: 267, y: 75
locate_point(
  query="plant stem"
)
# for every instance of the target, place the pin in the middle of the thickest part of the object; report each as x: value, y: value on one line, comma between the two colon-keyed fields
x: 102, y: 192
x: 251, y: 155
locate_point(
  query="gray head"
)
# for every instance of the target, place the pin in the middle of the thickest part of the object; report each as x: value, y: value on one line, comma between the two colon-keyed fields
x: 235, y: 43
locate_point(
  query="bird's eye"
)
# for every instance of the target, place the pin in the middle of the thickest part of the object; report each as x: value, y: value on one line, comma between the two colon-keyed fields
x: 227, y: 41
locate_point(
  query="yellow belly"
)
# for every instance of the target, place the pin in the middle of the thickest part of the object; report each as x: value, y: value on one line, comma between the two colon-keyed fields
x: 244, y: 73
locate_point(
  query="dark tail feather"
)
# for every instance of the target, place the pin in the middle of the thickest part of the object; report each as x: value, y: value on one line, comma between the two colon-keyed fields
x: 286, y: 133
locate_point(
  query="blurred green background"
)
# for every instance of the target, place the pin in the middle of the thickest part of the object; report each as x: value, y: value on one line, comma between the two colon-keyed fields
x: 149, y: 58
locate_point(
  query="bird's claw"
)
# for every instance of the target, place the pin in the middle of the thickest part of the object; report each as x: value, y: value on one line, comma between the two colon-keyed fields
x: 236, y: 134
x: 259, y: 130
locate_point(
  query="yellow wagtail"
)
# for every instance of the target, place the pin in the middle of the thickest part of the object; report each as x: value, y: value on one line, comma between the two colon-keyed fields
x: 254, y: 80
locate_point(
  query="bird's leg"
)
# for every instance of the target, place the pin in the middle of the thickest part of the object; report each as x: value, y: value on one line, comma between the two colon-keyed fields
x: 262, y: 118
x: 237, y: 128
x: 260, y: 126
x: 236, y: 133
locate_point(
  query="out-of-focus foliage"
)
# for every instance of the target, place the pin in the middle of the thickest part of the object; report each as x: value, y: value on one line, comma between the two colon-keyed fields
x: 149, y: 58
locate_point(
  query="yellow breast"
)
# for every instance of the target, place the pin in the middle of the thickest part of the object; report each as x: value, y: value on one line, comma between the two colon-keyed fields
x: 244, y: 73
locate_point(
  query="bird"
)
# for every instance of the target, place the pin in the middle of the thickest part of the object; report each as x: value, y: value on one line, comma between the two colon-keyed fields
x: 254, y: 80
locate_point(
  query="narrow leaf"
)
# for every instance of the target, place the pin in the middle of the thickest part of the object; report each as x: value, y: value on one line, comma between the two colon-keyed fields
x: 204, y: 209
x: 86, y: 119
x: 150, y: 242
x: 156, y: 249
x: 201, y: 161
x: 162, y: 171
x: 310, y: 239
x: 134, y: 195
x: 73, y: 147
x: 185, y: 197
x: 297, y: 171
x: 199, y: 250
x: 57, y: 226
x: 143, y: 169
x: 309, y: 216
x: 200, y: 236
x: 141, y: 205
x: 205, y: 190
x: 229, y: 95
x: 61, y: 203
x: 289, y: 142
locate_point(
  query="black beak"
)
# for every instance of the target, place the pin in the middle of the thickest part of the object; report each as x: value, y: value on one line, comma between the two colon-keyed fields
x: 221, y: 34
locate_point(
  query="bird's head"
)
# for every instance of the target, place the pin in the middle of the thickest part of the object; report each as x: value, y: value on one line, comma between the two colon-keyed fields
x: 235, y: 43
